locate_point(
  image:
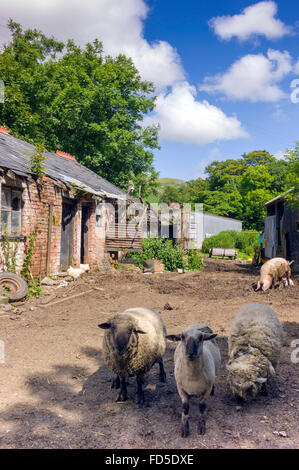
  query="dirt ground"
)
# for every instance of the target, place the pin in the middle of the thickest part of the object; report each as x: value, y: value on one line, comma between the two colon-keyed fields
x: 55, y: 391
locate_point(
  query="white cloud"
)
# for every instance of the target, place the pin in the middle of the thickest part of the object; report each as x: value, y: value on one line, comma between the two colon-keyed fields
x: 296, y: 68
x: 119, y: 25
x: 254, y: 77
x: 280, y: 155
x: 183, y: 119
x: 257, y: 19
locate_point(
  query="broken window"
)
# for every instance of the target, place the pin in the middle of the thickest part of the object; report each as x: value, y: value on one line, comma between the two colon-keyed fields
x: 10, y: 211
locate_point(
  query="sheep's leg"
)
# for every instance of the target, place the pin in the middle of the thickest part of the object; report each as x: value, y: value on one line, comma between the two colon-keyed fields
x: 123, y: 395
x: 162, y: 374
x: 264, y: 391
x: 185, y: 414
x: 115, y: 382
x: 202, y: 418
x: 213, y: 391
x: 289, y: 280
x: 140, y: 392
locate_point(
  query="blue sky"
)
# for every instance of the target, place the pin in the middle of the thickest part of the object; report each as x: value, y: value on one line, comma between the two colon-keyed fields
x: 222, y: 69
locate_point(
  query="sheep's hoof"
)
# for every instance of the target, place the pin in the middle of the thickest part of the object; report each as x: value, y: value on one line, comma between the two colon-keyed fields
x: 185, y: 430
x: 122, y: 397
x: 201, y: 427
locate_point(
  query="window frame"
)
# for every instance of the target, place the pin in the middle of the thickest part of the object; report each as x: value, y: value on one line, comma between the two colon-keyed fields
x: 10, y: 190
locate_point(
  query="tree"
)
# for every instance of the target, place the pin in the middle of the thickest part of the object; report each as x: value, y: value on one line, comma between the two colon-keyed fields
x: 257, y: 157
x: 254, y: 209
x: 292, y: 177
x: 255, y: 177
x: 79, y: 101
x: 225, y: 175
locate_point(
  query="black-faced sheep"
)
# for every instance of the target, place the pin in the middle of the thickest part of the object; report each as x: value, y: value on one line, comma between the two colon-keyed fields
x: 255, y: 341
x: 197, y: 360
x: 134, y: 341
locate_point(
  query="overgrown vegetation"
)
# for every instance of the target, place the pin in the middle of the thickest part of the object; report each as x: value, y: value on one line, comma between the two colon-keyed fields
x: 9, y: 250
x: 172, y: 256
x: 36, y: 160
x: 245, y: 242
x: 25, y: 271
x: 34, y: 289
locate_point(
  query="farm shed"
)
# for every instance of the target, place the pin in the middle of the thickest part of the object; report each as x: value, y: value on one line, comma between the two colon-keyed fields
x: 282, y: 229
x: 195, y: 226
x: 204, y: 225
x: 69, y: 206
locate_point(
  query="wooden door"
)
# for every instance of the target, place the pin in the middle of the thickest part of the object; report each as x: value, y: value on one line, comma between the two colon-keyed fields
x: 67, y: 235
x: 84, y: 235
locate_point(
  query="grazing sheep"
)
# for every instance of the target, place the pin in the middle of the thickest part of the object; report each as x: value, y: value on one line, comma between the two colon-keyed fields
x: 197, y: 359
x: 273, y: 271
x: 254, y: 343
x: 134, y: 341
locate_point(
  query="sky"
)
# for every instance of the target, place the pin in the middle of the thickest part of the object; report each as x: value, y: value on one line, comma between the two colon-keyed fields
x: 226, y: 72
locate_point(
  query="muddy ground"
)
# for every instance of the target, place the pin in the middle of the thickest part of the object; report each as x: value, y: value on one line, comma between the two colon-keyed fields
x: 55, y: 391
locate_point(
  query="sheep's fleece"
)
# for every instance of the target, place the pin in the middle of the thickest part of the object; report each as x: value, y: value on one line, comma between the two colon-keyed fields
x: 143, y: 350
x: 255, y: 341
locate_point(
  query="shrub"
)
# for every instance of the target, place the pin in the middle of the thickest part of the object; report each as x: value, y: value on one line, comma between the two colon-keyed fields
x: 194, y: 260
x: 243, y: 241
x: 172, y: 256
x: 221, y: 240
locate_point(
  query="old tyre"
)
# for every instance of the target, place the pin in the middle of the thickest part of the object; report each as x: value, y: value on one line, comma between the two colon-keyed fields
x: 13, y: 285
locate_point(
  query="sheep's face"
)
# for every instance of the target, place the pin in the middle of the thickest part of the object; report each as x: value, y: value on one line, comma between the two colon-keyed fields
x: 192, y: 341
x: 122, y: 334
x: 244, y: 379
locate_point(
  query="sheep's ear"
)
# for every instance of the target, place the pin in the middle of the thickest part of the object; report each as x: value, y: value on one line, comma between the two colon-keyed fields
x: 140, y: 331
x: 174, y: 337
x: 105, y: 325
x: 206, y: 336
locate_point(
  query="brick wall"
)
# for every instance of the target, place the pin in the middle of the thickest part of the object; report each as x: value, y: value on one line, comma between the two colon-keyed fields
x: 36, y: 202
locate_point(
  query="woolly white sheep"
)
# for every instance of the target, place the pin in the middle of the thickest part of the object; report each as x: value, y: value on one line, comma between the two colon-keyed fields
x: 197, y: 360
x: 134, y: 341
x: 254, y: 343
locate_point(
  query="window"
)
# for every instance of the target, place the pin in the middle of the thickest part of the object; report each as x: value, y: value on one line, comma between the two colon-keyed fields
x: 11, y: 210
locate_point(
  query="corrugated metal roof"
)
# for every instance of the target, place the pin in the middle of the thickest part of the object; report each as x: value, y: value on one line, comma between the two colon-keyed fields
x: 15, y: 154
x: 280, y: 196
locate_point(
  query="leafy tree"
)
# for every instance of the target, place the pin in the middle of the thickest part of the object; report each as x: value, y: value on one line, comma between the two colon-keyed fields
x: 257, y: 157
x: 254, y: 209
x: 292, y: 177
x: 225, y: 174
x: 80, y: 101
x: 255, y: 177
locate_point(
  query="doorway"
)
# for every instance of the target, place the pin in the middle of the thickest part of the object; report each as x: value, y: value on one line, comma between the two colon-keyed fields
x: 67, y: 234
x: 84, y: 235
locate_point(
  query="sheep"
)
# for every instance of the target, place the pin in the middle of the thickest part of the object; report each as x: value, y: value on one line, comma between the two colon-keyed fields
x: 197, y: 360
x: 273, y: 271
x: 134, y: 341
x: 255, y: 340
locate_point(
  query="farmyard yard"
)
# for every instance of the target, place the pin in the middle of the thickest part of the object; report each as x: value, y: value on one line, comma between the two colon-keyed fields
x: 55, y: 391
